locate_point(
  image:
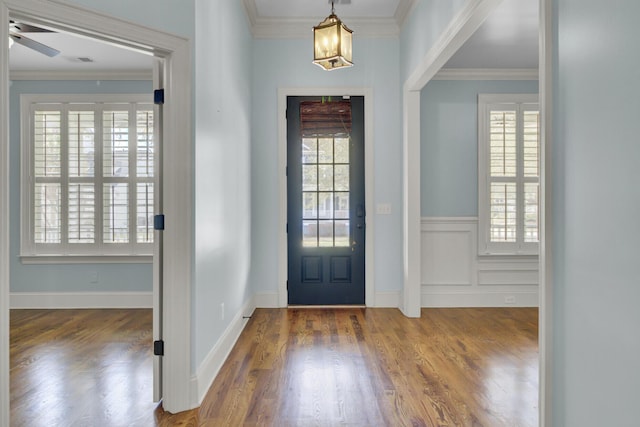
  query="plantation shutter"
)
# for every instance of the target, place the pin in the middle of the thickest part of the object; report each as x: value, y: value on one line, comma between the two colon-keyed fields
x: 92, y: 173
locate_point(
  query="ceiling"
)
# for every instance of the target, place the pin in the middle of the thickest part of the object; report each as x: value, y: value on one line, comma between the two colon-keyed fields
x: 507, y: 39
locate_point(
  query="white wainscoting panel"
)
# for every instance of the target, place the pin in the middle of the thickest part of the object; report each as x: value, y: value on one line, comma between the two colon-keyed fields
x: 447, y: 251
x: 453, y: 275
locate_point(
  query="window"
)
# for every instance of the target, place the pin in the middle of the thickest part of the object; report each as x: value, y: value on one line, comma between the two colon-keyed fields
x: 509, y: 172
x: 87, y: 175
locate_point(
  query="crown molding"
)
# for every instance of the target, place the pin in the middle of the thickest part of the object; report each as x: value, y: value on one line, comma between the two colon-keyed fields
x: 80, y: 75
x: 487, y: 74
x: 299, y: 28
x: 296, y: 28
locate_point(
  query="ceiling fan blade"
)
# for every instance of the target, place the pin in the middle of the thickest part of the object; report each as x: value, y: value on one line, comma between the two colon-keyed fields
x: 27, y: 28
x: 32, y: 44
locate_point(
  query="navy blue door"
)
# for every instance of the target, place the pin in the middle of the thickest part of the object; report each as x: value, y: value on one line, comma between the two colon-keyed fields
x: 325, y: 197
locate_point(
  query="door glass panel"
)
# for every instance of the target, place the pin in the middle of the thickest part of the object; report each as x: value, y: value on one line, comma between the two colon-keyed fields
x: 342, y: 150
x: 309, y: 150
x: 342, y: 233
x: 325, y: 205
x: 341, y: 204
x: 309, y: 178
x: 325, y: 150
x: 310, y: 233
x: 310, y: 205
x: 342, y: 177
x: 325, y: 233
x: 325, y: 179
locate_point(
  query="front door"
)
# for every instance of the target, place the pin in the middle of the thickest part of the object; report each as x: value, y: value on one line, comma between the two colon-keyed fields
x: 325, y: 197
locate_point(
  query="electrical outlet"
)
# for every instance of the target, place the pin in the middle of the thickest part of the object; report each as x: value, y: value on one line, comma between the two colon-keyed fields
x: 221, y: 311
x: 510, y: 300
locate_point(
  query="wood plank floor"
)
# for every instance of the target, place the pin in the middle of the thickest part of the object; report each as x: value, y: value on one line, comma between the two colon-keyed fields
x: 295, y: 367
x: 81, y: 368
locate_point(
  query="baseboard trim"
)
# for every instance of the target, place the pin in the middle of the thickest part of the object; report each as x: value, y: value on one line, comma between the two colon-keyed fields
x: 382, y: 299
x: 61, y: 300
x: 266, y: 300
x: 211, y: 365
x: 388, y: 299
x: 479, y: 299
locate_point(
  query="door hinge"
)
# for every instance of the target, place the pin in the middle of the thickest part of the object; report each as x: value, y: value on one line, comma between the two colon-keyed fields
x: 158, y: 222
x: 286, y: 171
x: 287, y: 285
x: 158, y: 96
x: 158, y: 348
x: 287, y: 227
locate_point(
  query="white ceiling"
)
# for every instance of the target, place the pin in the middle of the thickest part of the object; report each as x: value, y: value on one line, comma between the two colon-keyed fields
x: 507, y: 39
x: 105, y: 57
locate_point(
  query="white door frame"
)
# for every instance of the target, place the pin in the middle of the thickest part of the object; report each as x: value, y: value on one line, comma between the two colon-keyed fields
x: 178, y: 177
x: 368, y: 179
x: 461, y: 28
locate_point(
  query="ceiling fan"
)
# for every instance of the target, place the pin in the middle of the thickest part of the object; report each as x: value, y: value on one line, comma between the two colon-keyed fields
x: 15, y: 34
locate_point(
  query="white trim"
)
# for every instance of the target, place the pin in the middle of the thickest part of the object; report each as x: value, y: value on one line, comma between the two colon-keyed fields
x: 368, y: 178
x: 178, y: 166
x: 447, y: 298
x: 60, y: 300
x: 90, y: 259
x: 212, y: 363
x: 435, y: 220
x: 4, y: 220
x: 390, y: 299
x: 80, y: 75
x: 412, y: 251
x: 499, y: 74
x: 545, y: 316
x: 301, y: 28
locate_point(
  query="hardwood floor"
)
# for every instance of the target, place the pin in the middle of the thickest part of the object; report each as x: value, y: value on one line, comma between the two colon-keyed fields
x: 81, y: 368
x: 290, y: 367
x: 374, y: 367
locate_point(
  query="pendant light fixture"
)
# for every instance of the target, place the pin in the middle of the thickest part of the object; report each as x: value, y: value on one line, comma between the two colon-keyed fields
x: 332, y: 43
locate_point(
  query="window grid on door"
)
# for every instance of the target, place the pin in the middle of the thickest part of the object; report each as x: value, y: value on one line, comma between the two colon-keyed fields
x: 325, y: 192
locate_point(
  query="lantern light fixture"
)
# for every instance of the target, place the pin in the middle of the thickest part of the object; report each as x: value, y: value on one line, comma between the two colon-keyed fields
x: 332, y: 43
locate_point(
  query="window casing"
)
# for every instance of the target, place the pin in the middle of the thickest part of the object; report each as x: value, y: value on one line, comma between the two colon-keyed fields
x: 508, y: 174
x: 87, y: 175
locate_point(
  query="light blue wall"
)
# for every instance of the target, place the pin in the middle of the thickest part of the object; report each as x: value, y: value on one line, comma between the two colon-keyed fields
x: 223, y: 144
x: 421, y: 30
x: 287, y: 64
x: 449, y: 143
x: 65, y: 278
x: 596, y: 213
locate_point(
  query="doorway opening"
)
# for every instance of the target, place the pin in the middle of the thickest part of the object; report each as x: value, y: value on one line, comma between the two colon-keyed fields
x: 371, y: 298
x: 177, y: 74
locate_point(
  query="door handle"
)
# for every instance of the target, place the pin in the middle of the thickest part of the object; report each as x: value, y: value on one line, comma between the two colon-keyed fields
x: 353, y: 246
x: 359, y: 211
